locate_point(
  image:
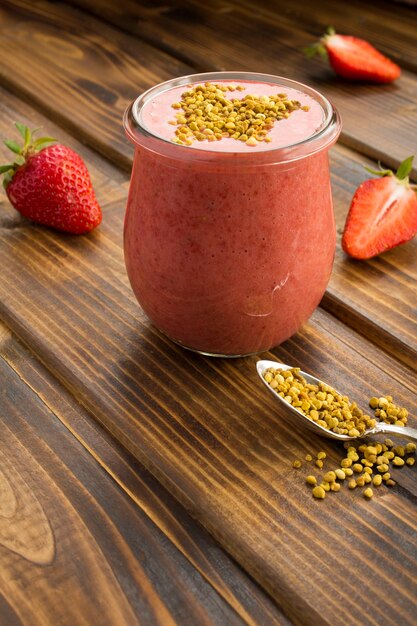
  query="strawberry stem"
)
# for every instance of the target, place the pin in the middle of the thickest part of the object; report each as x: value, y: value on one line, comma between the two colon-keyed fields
x: 319, y: 48
x: 401, y: 175
x: 380, y: 172
x: 23, y: 153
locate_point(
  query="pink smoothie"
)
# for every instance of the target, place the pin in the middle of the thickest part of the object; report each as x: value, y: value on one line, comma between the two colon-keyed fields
x: 228, y: 247
x: 157, y: 114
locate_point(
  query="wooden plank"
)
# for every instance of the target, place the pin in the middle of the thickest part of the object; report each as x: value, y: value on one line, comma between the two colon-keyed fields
x: 207, y: 431
x: 378, y: 298
x: 75, y: 549
x: 206, y: 556
x: 391, y: 28
x: 214, y: 439
x: 104, y: 70
x: 248, y: 38
x: 193, y: 432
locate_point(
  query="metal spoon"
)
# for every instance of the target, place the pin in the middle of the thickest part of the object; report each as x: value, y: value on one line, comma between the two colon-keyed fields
x: 300, y: 419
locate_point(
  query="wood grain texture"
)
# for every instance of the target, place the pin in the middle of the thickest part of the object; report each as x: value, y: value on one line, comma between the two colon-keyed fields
x: 74, y: 549
x: 88, y: 72
x: 196, y: 545
x: 206, y: 430
x: 228, y: 34
x: 378, y: 298
x: 390, y: 28
x: 241, y: 593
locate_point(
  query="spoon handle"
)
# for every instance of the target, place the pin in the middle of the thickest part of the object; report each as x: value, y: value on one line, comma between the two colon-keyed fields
x: 408, y: 433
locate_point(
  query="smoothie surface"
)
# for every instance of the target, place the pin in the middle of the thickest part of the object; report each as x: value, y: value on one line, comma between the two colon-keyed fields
x: 299, y: 126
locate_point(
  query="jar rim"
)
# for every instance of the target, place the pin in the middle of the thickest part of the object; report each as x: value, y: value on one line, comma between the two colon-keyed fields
x: 320, y: 139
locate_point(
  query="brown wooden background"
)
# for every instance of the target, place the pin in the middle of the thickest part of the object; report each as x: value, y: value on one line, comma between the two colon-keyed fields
x: 142, y: 484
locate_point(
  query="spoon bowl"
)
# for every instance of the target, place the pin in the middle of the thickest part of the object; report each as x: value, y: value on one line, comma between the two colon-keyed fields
x: 300, y: 420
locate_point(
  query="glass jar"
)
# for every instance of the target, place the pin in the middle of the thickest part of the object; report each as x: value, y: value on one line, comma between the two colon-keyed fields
x: 229, y: 253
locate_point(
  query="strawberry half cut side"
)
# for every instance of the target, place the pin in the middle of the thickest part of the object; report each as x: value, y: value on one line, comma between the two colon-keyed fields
x: 382, y: 215
x: 354, y: 58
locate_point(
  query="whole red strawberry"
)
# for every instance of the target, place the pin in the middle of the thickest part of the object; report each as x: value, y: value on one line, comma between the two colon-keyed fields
x: 355, y: 58
x: 383, y: 213
x: 50, y: 184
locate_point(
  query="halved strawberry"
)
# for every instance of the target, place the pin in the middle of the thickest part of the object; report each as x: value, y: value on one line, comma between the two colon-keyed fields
x: 382, y: 215
x: 355, y: 58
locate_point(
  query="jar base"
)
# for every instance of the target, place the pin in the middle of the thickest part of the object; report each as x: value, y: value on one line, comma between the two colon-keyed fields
x: 214, y: 354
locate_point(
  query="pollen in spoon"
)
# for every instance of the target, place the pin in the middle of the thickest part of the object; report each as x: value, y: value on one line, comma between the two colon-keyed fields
x: 328, y: 408
x: 319, y: 403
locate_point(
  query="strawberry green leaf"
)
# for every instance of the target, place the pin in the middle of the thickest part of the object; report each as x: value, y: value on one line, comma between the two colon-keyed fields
x: 310, y: 51
x: 13, y: 146
x: 319, y: 48
x: 42, y: 143
x: 25, y: 132
x: 43, y: 140
x: 405, y: 168
x: 6, y: 168
x: 7, y: 178
x: 22, y: 129
x: 28, y: 138
x: 314, y: 50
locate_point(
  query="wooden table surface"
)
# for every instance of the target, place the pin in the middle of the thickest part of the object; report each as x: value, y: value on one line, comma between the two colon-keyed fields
x: 143, y: 484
